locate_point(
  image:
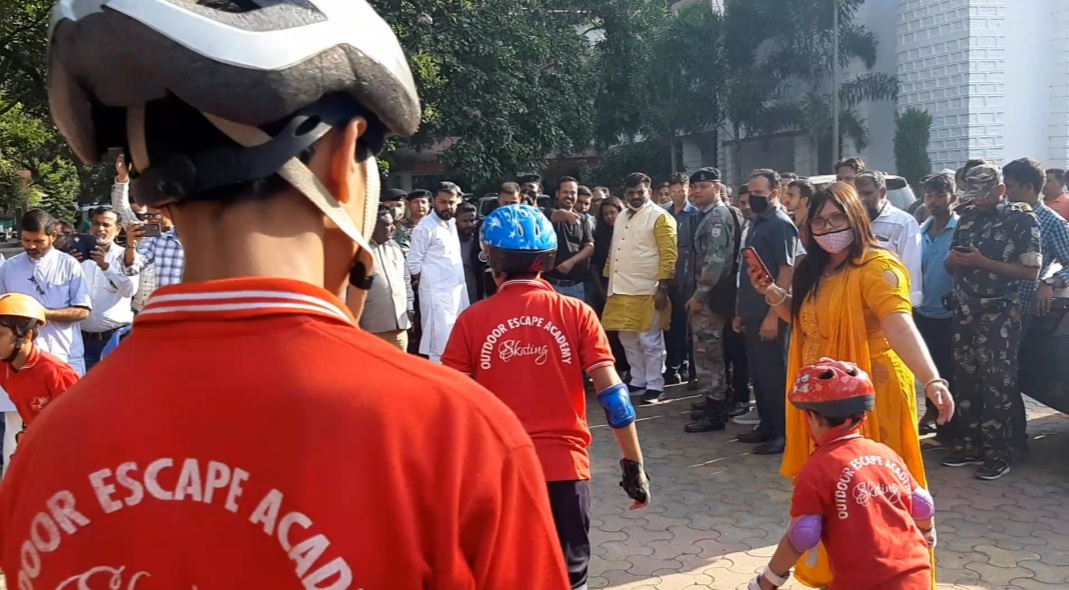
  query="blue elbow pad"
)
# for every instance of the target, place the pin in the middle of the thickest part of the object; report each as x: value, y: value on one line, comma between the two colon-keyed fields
x: 616, y: 401
x: 804, y: 532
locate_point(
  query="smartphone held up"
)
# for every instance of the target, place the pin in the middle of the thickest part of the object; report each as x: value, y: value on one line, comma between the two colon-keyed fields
x: 764, y: 276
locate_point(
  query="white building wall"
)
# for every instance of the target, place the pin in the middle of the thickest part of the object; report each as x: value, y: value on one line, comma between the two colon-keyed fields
x: 1058, y: 74
x: 933, y: 69
x: 1025, y: 80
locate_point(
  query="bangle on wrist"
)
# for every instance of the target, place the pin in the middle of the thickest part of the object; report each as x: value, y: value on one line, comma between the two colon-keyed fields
x: 934, y: 381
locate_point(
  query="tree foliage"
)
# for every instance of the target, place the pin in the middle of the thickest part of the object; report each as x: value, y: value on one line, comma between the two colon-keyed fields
x: 502, y: 79
x: 912, y: 131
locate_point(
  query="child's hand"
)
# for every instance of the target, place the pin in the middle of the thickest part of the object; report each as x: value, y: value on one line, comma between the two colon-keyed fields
x: 930, y: 537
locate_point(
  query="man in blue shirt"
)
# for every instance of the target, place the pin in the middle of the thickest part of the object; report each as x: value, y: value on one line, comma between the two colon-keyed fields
x: 679, y: 348
x: 933, y: 319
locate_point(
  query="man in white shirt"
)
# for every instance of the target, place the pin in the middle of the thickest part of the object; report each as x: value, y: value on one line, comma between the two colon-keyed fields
x: 56, y: 280
x: 434, y: 261
x: 110, y: 289
x: 895, y: 229
x: 388, y: 305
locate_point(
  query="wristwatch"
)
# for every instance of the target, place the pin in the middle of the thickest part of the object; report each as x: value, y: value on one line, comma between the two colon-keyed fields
x: 1054, y: 282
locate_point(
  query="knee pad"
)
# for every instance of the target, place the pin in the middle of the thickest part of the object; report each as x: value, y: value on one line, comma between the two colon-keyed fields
x: 923, y: 504
x: 616, y: 401
x: 804, y: 532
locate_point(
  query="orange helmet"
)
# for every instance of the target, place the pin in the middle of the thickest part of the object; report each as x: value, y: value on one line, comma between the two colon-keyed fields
x: 834, y: 389
x: 18, y: 305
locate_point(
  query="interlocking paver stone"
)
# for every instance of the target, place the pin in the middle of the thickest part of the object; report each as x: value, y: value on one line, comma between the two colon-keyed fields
x: 721, y: 511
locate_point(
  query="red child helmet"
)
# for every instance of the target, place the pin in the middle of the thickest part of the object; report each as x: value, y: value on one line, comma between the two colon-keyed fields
x: 834, y: 389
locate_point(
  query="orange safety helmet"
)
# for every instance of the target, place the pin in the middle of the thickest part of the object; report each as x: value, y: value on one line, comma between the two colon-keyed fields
x: 22, y: 306
x: 833, y: 389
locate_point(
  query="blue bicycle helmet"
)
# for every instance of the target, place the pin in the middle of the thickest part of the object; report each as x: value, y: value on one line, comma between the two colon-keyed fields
x: 519, y: 239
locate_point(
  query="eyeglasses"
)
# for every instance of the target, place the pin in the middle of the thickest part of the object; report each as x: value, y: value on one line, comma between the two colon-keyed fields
x: 833, y: 220
x: 153, y: 216
x: 37, y: 286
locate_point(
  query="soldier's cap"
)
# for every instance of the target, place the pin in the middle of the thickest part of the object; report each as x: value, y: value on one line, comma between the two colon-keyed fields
x: 524, y: 179
x: 392, y: 195
x: 419, y: 194
x: 709, y: 174
x: 979, y: 181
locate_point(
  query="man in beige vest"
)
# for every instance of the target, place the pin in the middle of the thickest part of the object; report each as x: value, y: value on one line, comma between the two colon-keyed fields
x: 388, y: 307
x: 642, y: 262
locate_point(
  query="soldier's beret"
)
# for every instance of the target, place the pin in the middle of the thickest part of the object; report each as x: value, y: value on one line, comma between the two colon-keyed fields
x: 709, y: 174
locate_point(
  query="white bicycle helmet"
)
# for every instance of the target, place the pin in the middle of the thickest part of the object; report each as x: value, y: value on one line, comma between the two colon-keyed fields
x: 273, y: 76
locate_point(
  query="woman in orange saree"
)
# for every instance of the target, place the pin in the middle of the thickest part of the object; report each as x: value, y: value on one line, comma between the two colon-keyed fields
x: 849, y: 300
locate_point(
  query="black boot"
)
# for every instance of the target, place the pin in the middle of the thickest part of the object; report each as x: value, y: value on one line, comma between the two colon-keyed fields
x: 713, y: 418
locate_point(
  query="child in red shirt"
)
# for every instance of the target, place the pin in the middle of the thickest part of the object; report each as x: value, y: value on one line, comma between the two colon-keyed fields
x: 530, y: 347
x: 31, y: 377
x: 854, y: 495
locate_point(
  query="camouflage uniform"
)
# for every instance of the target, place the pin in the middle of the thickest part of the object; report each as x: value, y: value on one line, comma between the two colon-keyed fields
x: 712, y: 261
x: 404, y: 234
x: 987, y: 326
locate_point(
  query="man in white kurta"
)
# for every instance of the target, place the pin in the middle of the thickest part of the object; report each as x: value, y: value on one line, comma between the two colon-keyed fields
x: 436, y: 266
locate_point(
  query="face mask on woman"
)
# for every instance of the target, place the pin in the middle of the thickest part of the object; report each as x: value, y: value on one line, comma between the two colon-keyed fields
x: 836, y: 241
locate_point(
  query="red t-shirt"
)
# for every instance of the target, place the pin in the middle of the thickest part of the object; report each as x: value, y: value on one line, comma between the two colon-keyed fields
x: 40, y: 381
x: 865, y: 494
x: 529, y: 345
x: 249, y: 435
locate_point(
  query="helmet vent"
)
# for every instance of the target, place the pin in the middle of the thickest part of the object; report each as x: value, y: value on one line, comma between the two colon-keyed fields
x: 826, y: 374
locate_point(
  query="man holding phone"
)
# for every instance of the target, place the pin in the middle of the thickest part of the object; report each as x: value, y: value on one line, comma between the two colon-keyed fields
x: 110, y: 289
x: 155, y: 242
x: 772, y: 243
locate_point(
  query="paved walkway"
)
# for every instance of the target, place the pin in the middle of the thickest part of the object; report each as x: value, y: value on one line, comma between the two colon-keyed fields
x: 719, y: 511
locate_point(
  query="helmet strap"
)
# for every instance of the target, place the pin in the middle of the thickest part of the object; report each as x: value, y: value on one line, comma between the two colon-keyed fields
x: 298, y: 175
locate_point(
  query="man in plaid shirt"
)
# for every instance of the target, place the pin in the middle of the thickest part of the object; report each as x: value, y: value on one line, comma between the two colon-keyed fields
x: 164, y: 252
x: 120, y: 202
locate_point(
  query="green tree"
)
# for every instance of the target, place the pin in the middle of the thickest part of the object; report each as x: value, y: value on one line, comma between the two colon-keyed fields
x: 502, y: 80
x: 912, y: 131
x: 652, y: 157
x: 29, y: 144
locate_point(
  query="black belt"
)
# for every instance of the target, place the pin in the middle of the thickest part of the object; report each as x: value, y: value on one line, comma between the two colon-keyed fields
x: 562, y: 282
x: 100, y: 336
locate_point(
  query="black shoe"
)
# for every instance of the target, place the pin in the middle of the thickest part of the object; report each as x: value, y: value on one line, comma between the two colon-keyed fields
x: 993, y: 469
x: 672, y: 379
x: 712, y: 418
x: 774, y: 446
x: 634, y: 389
x: 962, y: 458
x: 753, y: 437
x: 738, y: 410
x: 652, y: 396
x: 705, y: 424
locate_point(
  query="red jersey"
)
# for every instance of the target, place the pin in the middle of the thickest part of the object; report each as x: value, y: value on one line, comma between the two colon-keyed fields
x: 529, y: 345
x: 248, y: 435
x: 40, y: 381
x: 865, y: 494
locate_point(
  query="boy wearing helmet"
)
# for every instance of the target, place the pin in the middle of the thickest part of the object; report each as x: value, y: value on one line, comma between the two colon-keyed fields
x: 854, y: 495
x: 530, y: 346
x: 31, y: 377
x: 252, y: 436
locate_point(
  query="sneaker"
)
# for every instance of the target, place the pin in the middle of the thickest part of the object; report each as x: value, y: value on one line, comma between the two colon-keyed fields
x: 635, y: 389
x: 652, y: 396
x: 672, y: 379
x: 962, y: 458
x: 748, y: 419
x: 993, y: 469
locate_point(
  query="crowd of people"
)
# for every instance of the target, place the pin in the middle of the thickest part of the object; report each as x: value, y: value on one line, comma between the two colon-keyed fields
x: 201, y: 382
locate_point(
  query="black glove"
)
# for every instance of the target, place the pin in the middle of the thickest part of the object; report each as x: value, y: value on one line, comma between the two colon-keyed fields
x: 632, y: 483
